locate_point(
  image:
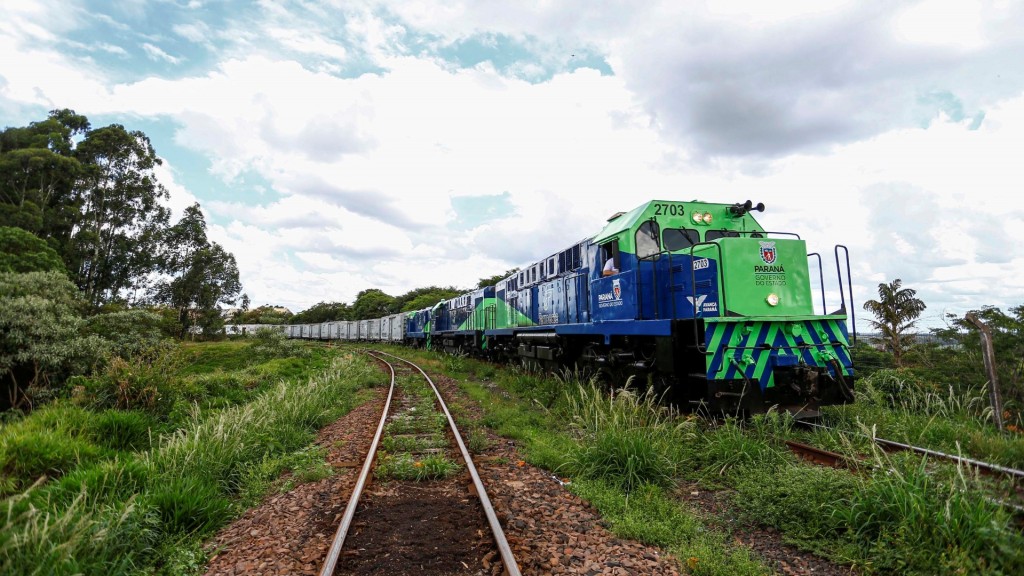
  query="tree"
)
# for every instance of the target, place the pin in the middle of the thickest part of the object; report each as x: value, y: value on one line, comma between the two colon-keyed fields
x: 115, y: 239
x: 22, y: 251
x: 897, y: 310
x: 41, y: 340
x: 38, y: 175
x: 201, y: 275
x: 485, y: 282
x: 420, y: 298
x: 267, y: 315
x: 372, y: 303
x: 323, y: 312
x: 958, y: 357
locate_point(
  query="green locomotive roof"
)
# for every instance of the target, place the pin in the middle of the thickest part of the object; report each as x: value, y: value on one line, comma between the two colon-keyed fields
x: 677, y: 213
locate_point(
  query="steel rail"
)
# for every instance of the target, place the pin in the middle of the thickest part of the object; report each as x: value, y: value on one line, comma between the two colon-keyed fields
x: 985, y: 467
x: 511, y: 567
x: 350, y: 510
x: 818, y: 455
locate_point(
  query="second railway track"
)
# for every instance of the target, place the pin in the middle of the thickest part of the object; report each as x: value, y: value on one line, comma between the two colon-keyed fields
x: 417, y: 517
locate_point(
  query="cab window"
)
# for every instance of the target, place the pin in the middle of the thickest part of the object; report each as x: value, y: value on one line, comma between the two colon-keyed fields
x: 716, y: 234
x: 679, y: 238
x: 647, y: 239
x: 609, y: 253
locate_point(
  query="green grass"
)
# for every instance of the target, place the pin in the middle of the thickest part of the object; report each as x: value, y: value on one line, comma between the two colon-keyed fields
x: 901, y: 407
x: 649, y: 514
x: 626, y: 439
x: 405, y: 466
x: 148, y: 511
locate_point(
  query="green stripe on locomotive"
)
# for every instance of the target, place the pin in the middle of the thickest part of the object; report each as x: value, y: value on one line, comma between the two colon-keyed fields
x: 492, y: 313
x: 753, y: 348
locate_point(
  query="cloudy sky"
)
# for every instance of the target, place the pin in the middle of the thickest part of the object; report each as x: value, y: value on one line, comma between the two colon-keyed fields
x: 340, y: 145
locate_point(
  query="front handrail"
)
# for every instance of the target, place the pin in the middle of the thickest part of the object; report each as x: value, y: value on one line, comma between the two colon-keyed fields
x: 849, y: 277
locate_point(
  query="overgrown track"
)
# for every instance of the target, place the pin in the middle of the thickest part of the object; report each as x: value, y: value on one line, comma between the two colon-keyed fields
x: 827, y: 458
x: 892, y: 446
x: 335, y: 552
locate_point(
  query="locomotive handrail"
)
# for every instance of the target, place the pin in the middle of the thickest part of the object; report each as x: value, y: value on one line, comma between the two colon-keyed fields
x: 821, y: 277
x: 839, y: 273
x: 724, y: 308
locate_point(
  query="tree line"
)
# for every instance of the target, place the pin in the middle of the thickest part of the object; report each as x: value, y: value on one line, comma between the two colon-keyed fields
x: 369, y: 303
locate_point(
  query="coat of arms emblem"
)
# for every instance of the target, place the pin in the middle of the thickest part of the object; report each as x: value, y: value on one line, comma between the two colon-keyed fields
x: 768, y: 252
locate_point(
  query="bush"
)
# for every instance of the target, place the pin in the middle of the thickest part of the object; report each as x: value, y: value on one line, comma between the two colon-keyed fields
x: 147, y: 382
x: 128, y: 332
x: 269, y: 343
x: 40, y: 335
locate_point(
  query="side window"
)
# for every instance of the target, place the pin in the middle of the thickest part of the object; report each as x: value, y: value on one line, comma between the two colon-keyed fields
x: 647, y: 239
x: 678, y: 238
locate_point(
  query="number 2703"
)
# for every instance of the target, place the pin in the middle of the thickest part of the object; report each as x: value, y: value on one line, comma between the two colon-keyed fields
x: 668, y: 209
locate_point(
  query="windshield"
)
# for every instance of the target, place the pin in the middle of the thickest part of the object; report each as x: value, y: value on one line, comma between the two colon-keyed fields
x: 679, y: 238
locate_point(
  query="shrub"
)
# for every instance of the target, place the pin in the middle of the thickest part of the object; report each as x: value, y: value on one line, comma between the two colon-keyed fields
x: 128, y: 332
x: 268, y: 343
x: 148, y: 381
x: 40, y: 335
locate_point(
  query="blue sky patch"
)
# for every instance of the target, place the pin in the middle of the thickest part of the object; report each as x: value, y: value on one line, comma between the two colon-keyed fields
x: 472, y: 211
x: 509, y: 55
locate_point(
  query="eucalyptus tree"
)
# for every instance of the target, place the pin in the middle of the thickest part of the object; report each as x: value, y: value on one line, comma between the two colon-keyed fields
x: 116, y: 238
x: 896, y: 311
x: 199, y: 275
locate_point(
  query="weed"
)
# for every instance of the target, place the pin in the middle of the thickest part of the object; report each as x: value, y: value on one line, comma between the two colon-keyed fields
x: 627, y: 439
x: 406, y: 467
x: 904, y: 518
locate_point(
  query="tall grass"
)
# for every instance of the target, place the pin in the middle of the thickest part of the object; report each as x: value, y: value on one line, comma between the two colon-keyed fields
x: 909, y: 519
x: 109, y: 519
x: 627, y: 438
x: 905, y: 408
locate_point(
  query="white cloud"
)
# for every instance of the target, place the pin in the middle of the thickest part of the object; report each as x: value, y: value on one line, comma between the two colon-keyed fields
x: 156, y: 53
x: 864, y: 130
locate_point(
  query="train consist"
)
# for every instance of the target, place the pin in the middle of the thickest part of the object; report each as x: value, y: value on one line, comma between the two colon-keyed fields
x: 695, y: 298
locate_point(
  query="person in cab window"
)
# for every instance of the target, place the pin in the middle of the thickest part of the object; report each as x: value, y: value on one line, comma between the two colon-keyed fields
x: 609, y: 267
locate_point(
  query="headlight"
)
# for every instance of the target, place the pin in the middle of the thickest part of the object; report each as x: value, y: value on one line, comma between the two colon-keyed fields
x: 772, y: 299
x: 707, y: 218
x: 697, y: 217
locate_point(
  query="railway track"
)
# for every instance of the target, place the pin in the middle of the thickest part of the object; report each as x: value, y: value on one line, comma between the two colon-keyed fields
x: 827, y: 458
x: 419, y: 503
x: 986, y: 468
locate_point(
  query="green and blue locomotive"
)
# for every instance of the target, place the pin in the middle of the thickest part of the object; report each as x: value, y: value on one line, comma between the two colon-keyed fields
x: 696, y: 298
